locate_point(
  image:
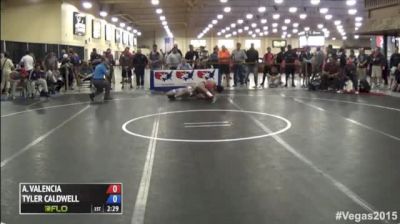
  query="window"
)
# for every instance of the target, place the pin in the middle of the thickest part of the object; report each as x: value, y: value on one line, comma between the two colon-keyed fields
x: 257, y: 43
x: 227, y: 43
x: 198, y: 43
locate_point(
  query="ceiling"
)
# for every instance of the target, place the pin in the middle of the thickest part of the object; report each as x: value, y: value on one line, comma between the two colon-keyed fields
x: 191, y: 17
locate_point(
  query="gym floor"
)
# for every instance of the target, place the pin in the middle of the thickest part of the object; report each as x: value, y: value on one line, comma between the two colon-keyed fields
x: 261, y: 156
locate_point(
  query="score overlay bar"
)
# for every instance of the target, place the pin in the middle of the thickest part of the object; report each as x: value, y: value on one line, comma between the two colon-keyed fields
x: 53, y: 198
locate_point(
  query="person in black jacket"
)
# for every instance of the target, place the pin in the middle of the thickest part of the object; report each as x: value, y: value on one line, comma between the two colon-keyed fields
x: 306, y: 65
x: 394, y: 62
x: 192, y: 56
x: 279, y: 59
x: 289, y: 58
x: 140, y: 62
x: 252, y: 64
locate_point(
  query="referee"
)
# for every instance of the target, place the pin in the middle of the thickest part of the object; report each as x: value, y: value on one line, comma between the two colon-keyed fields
x: 101, y: 80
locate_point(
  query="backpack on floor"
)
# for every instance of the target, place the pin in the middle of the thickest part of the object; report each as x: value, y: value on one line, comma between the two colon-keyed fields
x: 315, y: 83
x: 364, y: 86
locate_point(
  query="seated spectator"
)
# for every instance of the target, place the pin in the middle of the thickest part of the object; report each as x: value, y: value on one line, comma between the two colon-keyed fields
x: 330, y: 79
x: 184, y: 65
x: 37, y: 78
x: 54, y: 81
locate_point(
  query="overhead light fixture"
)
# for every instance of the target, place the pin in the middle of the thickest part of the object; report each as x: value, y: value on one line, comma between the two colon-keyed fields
x: 155, y: 2
x: 134, y: 31
x: 320, y: 26
x: 265, y: 27
x: 356, y: 36
x: 223, y: 31
x: 220, y: 16
x: 275, y: 30
x: 214, y: 21
x: 223, y: 1
x: 246, y: 28
x: 275, y: 25
x: 263, y: 21
x: 315, y: 2
x: 278, y: 1
x: 122, y: 25
x: 284, y: 27
x: 344, y: 38
x: 210, y: 26
x: 266, y: 32
x: 323, y: 10
x: 359, y: 19
x: 262, y: 9
x: 276, y: 16
x: 352, y: 11
x: 351, y: 2
x: 337, y: 22
x: 227, y: 9
x: 328, y: 17
x: 287, y: 21
x: 303, y: 16
x: 240, y: 31
x: 162, y: 18
x: 358, y: 24
x: 295, y: 31
x: 296, y: 25
x: 219, y: 34
x: 258, y: 30
x: 292, y: 9
x: 159, y: 11
x: 254, y: 25
x: 227, y: 28
x: 240, y: 21
x: 129, y: 28
x: 233, y: 25
x: 249, y: 16
x: 307, y: 28
x: 333, y: 38
x: 114, y: 19
x: 103, y: 14
x: 87, y: 5
x: 234, y: 33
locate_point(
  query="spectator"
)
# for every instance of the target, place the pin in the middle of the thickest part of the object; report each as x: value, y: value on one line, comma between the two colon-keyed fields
x: 252, y: 64
x: 239, y: 57
x: 37, y: 78
x: 353, y: 57
x: 203, y: 57
x: 213, y: 59
x: 100, y: 81
x: 192, y: 56
x: 394, y: 62
x: 125, y: 60
x: 224, y: 61
x: 76, y: 64
x: 6, y: 68
x: 342, y: 59
x: 67, y: 72
x: 318, y: 61
x: 184, y: 65
x: 27, y: 61
x: 363, y: 61
x: 173, y: 59
x: 155, y: 59
x: 50, y: 62
x: 330, y: 75
x: 350, y: 70
x: 377, y: 62
x: 63, y: 54
x: 140, y: 62
x: 289, y: 59
x: 396, y: 83
x: 279, y: 59
x: 269, y: 62
x: 177, y: 50
x: 95, y: 58
x: 111, y: 63
x: 306, y: 64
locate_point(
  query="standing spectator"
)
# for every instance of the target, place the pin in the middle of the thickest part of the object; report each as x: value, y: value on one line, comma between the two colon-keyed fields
x: 252, y: 65
x: 279, y: 59
x: 203, y: 57
x: 353, y: 57
x: 269, y: 62
x: 394, y: 62
x: 76, y: 64
x: 239, y: 57
x: 342, y: 59
x: 177, y: 50
x: 125, y: 60
x: 213, y: 59
x: 140, y: 62
x: 63, y: 55
x: 377, y: 62
x: 350, y: 70
x: 289, y: 59
x: 192, y: 56
x: 155, y: 59
x: 173, y: 59
x: 363, y: 61
x: 111, y: 63
x: 50, y: 62
x: 318, y: 61
x: 306, y: 64
x: 95, y: 58
x: 100, y: 80
x: 224, y: 63
x: 6, y: 68
x: 27, y: 61
x: 37, y: 77
x: 66, y: 71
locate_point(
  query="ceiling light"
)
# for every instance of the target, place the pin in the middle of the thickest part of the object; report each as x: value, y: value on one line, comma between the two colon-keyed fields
x: 323, y: 10
x: 164, y: 23
x: 227, y: 9
x: 250, y: 32
x: 358, y: 24
x: 114, y: 19
x: 303, y: 16
x: 295, y: 30
x: 129, y: 28
x: 220, y: 16
x: 223, y: 31
x: 337, y: 22
x: 289, y: 35
x: 275, y: 25
x: 162, y: 18
x: 234, y: 33
x: 266, y: 33
x: 287, y: 21
x: 275, y: 30
x: 87, y: 5
x: 339, y: 27
x: 265, y: 27
x: 103, y: 13
x: 276, y: 16
x: 351, y: 2
x: 295, y: 24
x: 134, y: 31
x: 333, y: 38
x: 356, y: 36
x: 240, y: 21
x: 246, y: 28
x: 228, y: 28
x: 326, y: 35
x: 210, y: 26
x: 258, y: 30
x: 344, y: 38
x: 352, y: 11
x: 356, y: 29
x: 315, y: 2
x: 233, y: 25
x: 359, y: 19
x: 328, y: 17
x: 159, y: 11
x: 283, y: 36
x: 261, y: 34
x: 122, y: 25
x: 254, y: 25
x: 278, y: 1
x: 320, y: 26
x: 214, y: 21
x: 262, y: 9
x: 307, y: 28
x: 155, y: 2
x: 223, y: 1
x: 284, y: 27
x: 254, y: 36
x: 240, y: 31
x: 249, y: 16
x: 292, y: 9
x: 263, y: 21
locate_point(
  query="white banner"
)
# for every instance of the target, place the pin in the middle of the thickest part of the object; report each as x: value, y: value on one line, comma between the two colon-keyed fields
x: 177, y: 78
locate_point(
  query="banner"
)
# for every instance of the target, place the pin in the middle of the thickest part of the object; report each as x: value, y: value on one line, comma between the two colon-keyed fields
x: 79, y: 22
x: 171, y: 79
x: 96, y: 29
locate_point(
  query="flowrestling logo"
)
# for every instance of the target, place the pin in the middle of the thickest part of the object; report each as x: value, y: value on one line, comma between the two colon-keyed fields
x: 164, y: 76
x: 185, y: 75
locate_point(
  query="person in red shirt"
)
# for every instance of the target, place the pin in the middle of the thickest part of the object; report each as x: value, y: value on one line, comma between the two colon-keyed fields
x: 269, y: 62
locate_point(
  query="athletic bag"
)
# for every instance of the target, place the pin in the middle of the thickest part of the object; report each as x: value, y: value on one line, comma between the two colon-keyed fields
x: 364, y: 86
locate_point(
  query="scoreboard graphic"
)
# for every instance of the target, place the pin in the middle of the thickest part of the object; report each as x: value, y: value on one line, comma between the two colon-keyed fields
x: 39, y: 198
